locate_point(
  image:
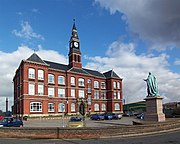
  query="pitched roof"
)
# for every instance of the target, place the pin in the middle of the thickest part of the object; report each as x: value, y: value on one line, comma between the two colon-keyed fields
x: 35, y: 58
x: 111, y: 74
x: 78, y: 70
x: 94, y: 73
x: 57, y: 66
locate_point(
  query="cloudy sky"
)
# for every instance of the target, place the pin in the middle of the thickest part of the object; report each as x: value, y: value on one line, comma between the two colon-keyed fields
x: 130, y: 37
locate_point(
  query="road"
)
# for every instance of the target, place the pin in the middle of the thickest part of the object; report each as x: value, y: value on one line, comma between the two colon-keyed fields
x: 165, y: 138
x: 89, y: 123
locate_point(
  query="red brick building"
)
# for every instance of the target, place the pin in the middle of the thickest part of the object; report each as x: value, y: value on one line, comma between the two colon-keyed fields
x: 43, y: 88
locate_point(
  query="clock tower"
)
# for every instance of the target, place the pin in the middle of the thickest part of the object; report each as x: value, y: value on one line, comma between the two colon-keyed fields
x: 74, y: 49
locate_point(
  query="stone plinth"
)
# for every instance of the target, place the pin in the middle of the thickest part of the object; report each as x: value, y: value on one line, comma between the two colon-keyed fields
x: 154, y: 109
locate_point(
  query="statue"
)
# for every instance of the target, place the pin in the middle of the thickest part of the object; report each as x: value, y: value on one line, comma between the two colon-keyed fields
x: 152, y: 87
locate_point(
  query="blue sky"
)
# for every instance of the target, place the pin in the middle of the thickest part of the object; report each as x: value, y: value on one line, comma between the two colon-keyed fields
x: 131, y: 37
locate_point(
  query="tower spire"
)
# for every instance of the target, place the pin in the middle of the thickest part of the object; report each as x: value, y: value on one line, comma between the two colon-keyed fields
x: 74, y: 48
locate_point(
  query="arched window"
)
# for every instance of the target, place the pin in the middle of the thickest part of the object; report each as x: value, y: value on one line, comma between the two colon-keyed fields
x: 117, y: 106
x: 61, y: 80
x: 72, y: 81
x: 96, y: 107
x: 73, y: 107
x: 50, y: 78
x: 103, y: 107
x: 31, y: 73
x: 96, y: 84
x: 61, y: 107
x: 40, y: 74
x: 81, y: 82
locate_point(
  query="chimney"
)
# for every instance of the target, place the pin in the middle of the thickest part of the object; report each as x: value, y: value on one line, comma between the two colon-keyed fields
x: 6, y: 105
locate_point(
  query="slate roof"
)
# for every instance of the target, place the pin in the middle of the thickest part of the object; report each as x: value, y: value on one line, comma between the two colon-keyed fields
x: 94, y: 73
x: 111, y: 74
x: 57, y: 66
x: 35, y: 58
x: 78, y: 70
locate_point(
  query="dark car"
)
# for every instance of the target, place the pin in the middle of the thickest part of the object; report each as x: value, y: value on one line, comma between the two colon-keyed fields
x: 11, y: 122
x: 140, y: 116
x: 97, y: 117
x: 110, y: 116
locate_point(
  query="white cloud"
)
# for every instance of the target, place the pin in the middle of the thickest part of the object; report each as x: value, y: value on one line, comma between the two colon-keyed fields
x: 10, y: 62
x: 27, y: 32
x: 177, y: 62
x: 134, y: 68
x: 157, y: 21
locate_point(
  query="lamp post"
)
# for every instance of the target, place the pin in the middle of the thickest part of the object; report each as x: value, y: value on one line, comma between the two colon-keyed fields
x: 62, y: 109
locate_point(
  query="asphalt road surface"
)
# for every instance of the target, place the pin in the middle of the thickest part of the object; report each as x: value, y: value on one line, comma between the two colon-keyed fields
x: 164, y: 138
x: 89, y: 123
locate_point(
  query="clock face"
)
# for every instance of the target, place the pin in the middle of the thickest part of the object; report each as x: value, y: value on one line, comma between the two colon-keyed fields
x: 76, y: 44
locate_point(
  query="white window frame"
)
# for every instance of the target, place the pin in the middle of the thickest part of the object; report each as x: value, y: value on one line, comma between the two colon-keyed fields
x: 81, y: 93
x: 73, y: 107
x: 73, y: 93
x: 60, y: 107
x: 96, y: 107
x: 61, y: 80
x: 73, y: 81
x: 51, y: 78
x: 115, y: 95
x: 103, y: 107
x: 103, y: 85
x: 51, y: 91
x: 89, y: 81
x: 40, y: 75
x: 50, y: 107
x: 96, y: 94
x: 103, y: 95
x: 80, y: 82
x: 31, y: 73
x: 35, y: 107
x: 31, y: 89
x: 119, y: 95
x: 40, y: 89
x: 118, y: 85
x: 96, y: 84
x: 61, y: 92
x: 116, y: 106
x: 114, y: 85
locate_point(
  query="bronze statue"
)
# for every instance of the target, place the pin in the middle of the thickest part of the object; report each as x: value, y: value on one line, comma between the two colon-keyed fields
x: 152, y: 87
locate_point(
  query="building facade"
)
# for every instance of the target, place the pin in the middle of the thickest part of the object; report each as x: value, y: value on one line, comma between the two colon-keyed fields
x: 43, y: 88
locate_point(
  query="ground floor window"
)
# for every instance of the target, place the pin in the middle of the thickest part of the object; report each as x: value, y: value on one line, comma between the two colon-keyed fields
x: 50, y: 107
x: 72, y: 107
x: 61, y: 107
x: 96, y: 107
x: 35, y: 107
x: 117, y: 106
x: 103, y: 107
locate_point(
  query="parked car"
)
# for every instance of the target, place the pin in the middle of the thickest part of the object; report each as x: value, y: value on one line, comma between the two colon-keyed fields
x: 140, y: 116
x: 1, y: 117
x: 11, y: 122
x: 97, y: 117
x: 76, y: 122
x: 110, y: 116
